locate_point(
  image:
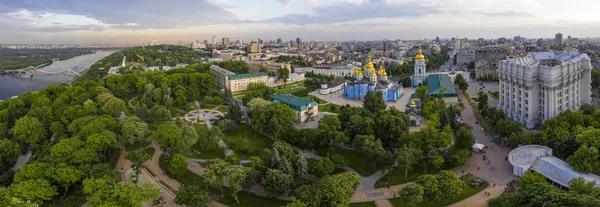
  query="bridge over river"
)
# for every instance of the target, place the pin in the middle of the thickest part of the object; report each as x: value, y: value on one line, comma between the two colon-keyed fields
x: 31, y: 70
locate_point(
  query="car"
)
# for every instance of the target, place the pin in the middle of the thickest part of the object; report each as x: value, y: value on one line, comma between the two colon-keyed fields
x: 476, y: 122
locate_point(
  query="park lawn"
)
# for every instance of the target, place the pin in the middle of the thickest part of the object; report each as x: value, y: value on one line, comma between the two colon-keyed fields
x: 467, y: 97
x: 253, y: 147
x: 356, y: 161
x: 483, y: 123
x: 494, y: 95
x: 150, y: 150
x: 187, y: 178
x: 363, y: 204
x: 223, y: 109
x: 248, y: 199
x: 212, y: 152
x: 397, y: 175
x: 467, y: 192
x: 318, y: 100
x: 327, y: 108
x: 136, y: 146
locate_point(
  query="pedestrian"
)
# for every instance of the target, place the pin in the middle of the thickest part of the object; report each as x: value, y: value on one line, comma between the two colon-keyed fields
x: 494, y: 184
x: 477, y: 167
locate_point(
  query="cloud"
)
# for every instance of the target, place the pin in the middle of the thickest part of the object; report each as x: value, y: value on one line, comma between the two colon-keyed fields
x: 145, y: 13
x: 357, y: 10
x: 27, y: 20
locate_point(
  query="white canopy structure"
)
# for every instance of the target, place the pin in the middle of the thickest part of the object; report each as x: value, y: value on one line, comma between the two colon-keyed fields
x: 478, y: 147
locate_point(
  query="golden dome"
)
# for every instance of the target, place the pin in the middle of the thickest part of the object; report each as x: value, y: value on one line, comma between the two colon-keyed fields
x: 413, y: 105
x: 382, y: 71
x: 384, y: 74
x: 373, y: 75
x: 420, y: 55
x: 369, y: 65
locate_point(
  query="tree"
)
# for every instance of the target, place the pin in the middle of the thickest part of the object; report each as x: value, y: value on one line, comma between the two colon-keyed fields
x: 66, y: 175
x: 431, y: 192
x: 35, y: 190
x: 338, y: 160
x: 408, y: 156
x: 36, y: 170
x: 100, y: 142
x: 421, y: 93
x: 464, y: 137
x: 301, y: 167
x: 168, y: 135
x: 235, y: 113
x: 276, y: 119
x: 159, y: 114
x: 449, y: 184
x: 9, y: 151
x: 436, y: 162
x: 178, y: 164
x: 374, y: 102
x: 388, y: 127
x: 29, y: 130
x: 330, y: 127
x: 461, y: 82
x: 257, y: 103
x: 107, y: 192
x: 411, y: 194
x: 483, y: 102
x: 133, y: 130
x: 193, y: 196
x: 114, y: 107
x: 138, y: 158
x: 219, y: 171
x: 322, y: 167
x: 277, y: 182
x: 585, y: 159
x: 335, y: 190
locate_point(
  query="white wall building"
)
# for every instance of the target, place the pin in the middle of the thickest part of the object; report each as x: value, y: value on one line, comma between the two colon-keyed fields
x: 542, y: 85
x: 537, y: 158
x: 340, y: 71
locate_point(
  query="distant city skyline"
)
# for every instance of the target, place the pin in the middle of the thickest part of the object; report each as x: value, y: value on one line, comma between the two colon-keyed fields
x: 139, y: 21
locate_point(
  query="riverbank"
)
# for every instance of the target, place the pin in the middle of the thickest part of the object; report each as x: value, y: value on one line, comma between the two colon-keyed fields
x: 15, y: 84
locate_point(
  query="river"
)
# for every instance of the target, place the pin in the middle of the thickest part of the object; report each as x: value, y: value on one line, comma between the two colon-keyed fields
x: 13, y: 85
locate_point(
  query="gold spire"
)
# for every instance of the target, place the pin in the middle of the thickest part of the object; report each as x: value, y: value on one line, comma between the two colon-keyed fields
x: 413, y: 105
x: 369, y: 65
x: 420, y: 55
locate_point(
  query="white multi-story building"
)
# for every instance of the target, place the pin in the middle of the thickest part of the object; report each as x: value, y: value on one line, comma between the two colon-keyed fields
x: 340, y: 71
x: 542, y: 85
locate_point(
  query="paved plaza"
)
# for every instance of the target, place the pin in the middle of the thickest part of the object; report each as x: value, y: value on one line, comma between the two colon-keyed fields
x: 202, y: 116
x: 338, y: 98
x: 487, y: 86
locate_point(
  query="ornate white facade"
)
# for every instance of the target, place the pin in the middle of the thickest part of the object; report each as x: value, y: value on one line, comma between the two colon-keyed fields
x: 542, y: 85
x: 418, y: 78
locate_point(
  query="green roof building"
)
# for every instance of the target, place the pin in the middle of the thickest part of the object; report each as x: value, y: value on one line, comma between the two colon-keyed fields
x: 435, y: 82
x: 305, y: 109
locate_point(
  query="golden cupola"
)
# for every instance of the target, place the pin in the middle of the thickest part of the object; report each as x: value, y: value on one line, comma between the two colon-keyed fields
x: 369, y: 65
x: 413, y: 105
x: 382, y: 71
x: 420, y: 55
x: 373, y: 75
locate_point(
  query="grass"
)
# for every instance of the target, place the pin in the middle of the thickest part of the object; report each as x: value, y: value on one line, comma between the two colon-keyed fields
x: 396, y: 176
x: 246, y: 141
x: 494, y: 95
x: 467, y: 192
x: 223, y: 109
x: 318, y: 100
x: 488, y: 128
x: 467, y: 97
x: 248, y: 199
x: 150, y: 150
x: 327, y: 108
x: 356, y: 161
x: 187, y: 178
x: 211, y: 152
x: 363, y: 204
x: 136, y: 146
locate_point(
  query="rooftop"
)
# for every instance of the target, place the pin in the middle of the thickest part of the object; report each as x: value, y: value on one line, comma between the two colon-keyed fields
x: 534, y: 58
x: 221, y: 70
x: 540, y: 159
x: 246, y: 75
x: 294, y: 102
x: 435, y: 82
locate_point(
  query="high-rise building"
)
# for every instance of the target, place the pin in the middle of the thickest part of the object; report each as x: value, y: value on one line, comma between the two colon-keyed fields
x: 569, y: 40
x: 260, y: 41
x: 517, y: 38
x: 214, y: 40
x: 226, y: 41
x: 558, y: 39
x: 253, y: 47
x: 541, y: 85
x: 279, y: 41
x: 205, y: 42
x: 457, y: 43
x: 298, y: 41
x: 437, y: 39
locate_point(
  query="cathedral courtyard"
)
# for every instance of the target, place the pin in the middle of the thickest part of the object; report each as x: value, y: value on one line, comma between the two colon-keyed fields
x: 338, y: 98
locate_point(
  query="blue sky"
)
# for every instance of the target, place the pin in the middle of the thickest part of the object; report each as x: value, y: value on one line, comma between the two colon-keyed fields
x: 139, y: 21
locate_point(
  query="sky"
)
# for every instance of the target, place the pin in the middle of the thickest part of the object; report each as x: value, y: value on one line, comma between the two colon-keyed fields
x: 141, y: 21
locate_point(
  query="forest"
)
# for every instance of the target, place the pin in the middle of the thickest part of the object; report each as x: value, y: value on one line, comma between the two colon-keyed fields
x: 22, y: 58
